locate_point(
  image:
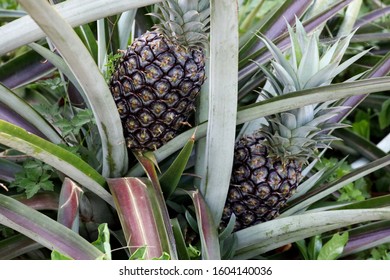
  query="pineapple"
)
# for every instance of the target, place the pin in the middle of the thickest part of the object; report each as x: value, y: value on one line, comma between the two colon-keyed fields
x: 268, y: 163
x: 157, y: 79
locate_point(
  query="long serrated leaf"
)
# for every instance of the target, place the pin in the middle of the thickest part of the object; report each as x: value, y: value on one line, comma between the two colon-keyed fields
x: 370, y: 17
x: 261, y: 56
x: 351, y: 177
x: 367, y: 236
x: 302, y: 98
x: 8, y: 169
x: 11, y: 14
x: 114, y: 158
x: 206, y: 226
x: 264, y: 237
x: 44, y: 230
x: 58, y: 62
x: 365, y: 148
x: 222, y: 105
x: 24, y: 30
x: 23, y: 69
x: 61, y: 159
x: 135, y: 209
x: 382, y: 68
x: 170, y: 179
x: 275, y: 24
x: 375, y: 202
x: 351, y: 14
x: 17, y: 245
x: 23, y: 109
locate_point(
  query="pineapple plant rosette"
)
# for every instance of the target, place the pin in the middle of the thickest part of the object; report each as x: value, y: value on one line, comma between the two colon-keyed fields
x: 159, y: 76
x: 268, y: 163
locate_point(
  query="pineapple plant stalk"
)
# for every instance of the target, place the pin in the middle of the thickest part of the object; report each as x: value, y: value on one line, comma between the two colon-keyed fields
x: 268, y: 162
x: 156, y: 81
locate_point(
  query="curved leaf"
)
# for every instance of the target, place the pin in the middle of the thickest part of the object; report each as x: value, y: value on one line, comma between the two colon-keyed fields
x: 222, y: 105
x: 23, y: 109
x: 320, y: 193
x: 206, y: 226
x: 17, y: 245
x: 170, y: 179
x: 44, y: 230
x: 270, y: 235
x: 24, y: 30
x: 141, y: 227
x: 61, y: 159
x: 68, y: 209
x: 91, y: 80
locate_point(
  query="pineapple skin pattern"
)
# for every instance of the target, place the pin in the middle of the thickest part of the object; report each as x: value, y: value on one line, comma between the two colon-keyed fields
x: 157, y: 79
x: 260, y: 185
x: 154, y: 86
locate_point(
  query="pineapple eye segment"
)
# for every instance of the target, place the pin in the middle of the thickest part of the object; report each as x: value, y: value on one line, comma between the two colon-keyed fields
x: 263, y: 192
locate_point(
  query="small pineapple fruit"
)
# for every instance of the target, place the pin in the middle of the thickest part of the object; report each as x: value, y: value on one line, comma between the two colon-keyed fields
x: 157, y: 79
x: 268, y: 163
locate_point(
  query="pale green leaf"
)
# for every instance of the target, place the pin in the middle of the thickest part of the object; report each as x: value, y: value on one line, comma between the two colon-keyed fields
x: 223, y: 105
x: 334, y: 247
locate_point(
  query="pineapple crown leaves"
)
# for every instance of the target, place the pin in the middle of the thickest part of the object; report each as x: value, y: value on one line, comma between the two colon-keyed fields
x: 184, y: 21
x: 300, y: 132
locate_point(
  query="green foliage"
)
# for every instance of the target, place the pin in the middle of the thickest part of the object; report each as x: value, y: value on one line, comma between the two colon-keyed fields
x: 110, y: 65
x: 354, y: 191
x: 75, y: 124
x: 140, y: 254
x: 193, y: 252
x: 384, y: 115
x: 35, y: 176
x: 316, y: 250
x: 334, y: 247
x: 9, y: 4
x: 381, y: 252
x: 6, y: 232
x: 57, y: 256
x: 361, y: 124
x: 103, y: 241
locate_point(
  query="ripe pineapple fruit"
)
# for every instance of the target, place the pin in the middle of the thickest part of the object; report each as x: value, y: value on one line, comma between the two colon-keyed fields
x: 268, y: 163
x: 158, y: 77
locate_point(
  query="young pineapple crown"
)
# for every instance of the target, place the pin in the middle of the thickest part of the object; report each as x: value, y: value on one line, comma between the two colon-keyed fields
x: 186, y: 22
x: 299, y: 133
